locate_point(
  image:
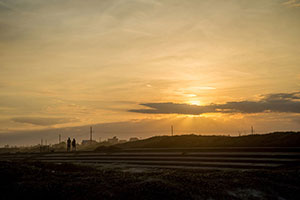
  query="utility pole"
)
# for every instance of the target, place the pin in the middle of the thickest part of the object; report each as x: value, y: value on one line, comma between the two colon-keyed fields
x: 252, y: 131
x: 172, y: 130
x: 91, y: 134
x: 42, y: 142
x: 59, y: 138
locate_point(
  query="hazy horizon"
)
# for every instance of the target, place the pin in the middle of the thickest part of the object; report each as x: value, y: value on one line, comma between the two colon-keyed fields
x: 136, y: 67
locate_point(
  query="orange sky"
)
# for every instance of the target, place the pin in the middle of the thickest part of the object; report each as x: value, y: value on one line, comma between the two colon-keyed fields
x: 75, y: 63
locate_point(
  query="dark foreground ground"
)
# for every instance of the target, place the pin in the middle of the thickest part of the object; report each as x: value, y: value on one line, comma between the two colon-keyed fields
x: 34, y: 180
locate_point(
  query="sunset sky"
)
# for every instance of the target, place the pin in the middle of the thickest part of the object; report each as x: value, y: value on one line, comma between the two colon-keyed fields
x: 135, y: 67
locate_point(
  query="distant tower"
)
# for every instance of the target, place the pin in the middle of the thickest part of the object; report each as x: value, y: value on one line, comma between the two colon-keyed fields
x: 172, y: 130
x: 91, y: 133
x: 252, y: 131
x: 59, y: 138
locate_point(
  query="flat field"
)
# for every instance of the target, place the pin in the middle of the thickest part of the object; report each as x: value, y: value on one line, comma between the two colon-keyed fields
x: 147, y: 174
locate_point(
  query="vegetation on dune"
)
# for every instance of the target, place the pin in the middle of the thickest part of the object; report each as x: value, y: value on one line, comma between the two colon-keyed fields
x: 277, y: 139
x: 107, y: 149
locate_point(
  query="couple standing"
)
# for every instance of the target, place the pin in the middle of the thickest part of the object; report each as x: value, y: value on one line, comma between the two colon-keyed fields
x: 69, y: 144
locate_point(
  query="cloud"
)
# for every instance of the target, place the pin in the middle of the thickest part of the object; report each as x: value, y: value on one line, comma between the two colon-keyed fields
x: 283, y: 96
x: 279, y: 102
x: 292, y: 3
x: 41, y: 121
x: 170, y: 108
x: 5, y: 7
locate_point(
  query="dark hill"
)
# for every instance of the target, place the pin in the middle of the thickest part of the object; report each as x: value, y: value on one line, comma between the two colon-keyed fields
x: 277, y: 139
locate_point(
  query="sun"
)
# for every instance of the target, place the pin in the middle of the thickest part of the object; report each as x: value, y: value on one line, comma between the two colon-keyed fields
x: 194, y: 102
x: 192, y: 99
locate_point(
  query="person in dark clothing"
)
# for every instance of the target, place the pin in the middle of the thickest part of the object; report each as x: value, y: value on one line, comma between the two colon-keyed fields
x: 68, y: 144
x: 73, y: 144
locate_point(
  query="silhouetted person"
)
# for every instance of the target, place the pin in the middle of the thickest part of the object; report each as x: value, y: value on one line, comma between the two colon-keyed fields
x: 68, y: 144
x: 73, y: 144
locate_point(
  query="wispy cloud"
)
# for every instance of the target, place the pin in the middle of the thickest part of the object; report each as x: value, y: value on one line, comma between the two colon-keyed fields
x: 292, y: 3
x: 278, y: 102
x: 41, y: 121
x: 4, y: 6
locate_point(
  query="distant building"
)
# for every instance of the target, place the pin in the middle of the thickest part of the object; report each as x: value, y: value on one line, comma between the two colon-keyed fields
x: 133, y: 139
x: 122, y: 141
x: 88, y: 142
x: 44, y: 148
x: 113, y: 140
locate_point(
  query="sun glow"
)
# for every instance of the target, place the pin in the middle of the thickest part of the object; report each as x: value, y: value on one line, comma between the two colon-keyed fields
x: 191, y: 95
x: 194, y: 102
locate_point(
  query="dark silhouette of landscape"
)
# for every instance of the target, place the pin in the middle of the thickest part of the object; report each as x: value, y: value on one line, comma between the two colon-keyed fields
x: 277, y: 139
x: 20, y: 180
x: 161, y: 167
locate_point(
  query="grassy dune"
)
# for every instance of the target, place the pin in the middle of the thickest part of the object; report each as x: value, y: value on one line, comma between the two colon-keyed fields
x: 277, y: 139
